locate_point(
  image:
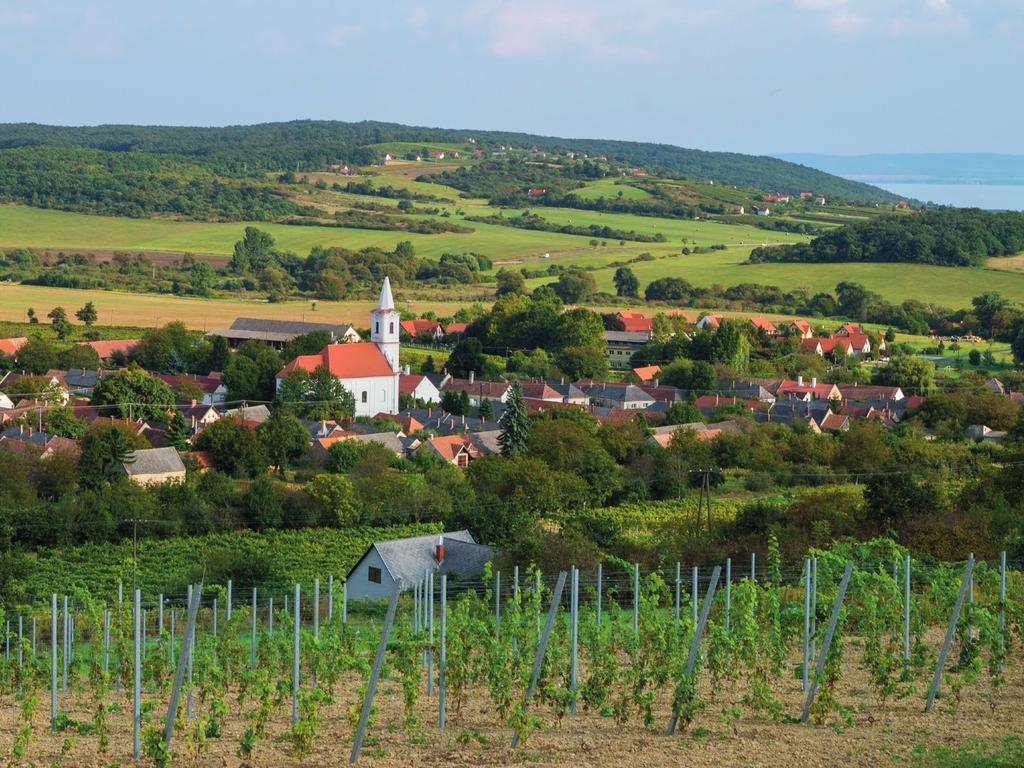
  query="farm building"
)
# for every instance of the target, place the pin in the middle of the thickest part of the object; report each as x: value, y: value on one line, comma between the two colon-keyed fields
x: 153, y: 466
x: 277, y: 333
x: 405, y: 561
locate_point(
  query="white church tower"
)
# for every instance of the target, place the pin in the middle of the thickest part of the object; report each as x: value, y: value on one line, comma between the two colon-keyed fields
x: 384, y: 326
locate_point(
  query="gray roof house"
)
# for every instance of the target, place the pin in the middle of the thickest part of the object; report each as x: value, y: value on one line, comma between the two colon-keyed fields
x: 405, y: 561
x: 153, y: 466
x: 277, y: 333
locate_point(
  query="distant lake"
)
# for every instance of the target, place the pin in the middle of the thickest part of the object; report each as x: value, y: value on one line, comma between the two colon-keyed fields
x: 996, y: 197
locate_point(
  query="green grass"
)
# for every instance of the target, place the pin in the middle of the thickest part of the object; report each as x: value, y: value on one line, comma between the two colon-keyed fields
x: 610, y: 188
x: 1006, y: 754
x: 38, y: 228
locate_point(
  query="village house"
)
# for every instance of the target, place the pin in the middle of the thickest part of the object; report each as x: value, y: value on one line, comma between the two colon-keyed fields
x: 418, y: 327
x: 614, y: 395
x: 11, y: 345
x: 418, y: 387
x: 478, y: 391
x: 215, y: 391
x: 112, y: 349
x: 710, y: 322
x: 646, y: 373
x: 369, y: 370
x: 154, y: 466
x: 457, y: 449
x: 765, y: 325
x: 622, y: 344
x: 804, y: 390
x: 455, y: 328
x: 401, y: 563
x: 277, y: 333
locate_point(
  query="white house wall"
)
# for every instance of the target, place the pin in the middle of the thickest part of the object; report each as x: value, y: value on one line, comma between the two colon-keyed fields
x: 359, y: 585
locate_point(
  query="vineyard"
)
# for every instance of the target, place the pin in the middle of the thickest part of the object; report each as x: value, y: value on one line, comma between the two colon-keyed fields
x: 832, y: 661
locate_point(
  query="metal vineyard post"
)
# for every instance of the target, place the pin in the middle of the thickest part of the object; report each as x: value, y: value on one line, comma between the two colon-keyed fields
x: 538, y: 660
x: 378, y: 660
x: 833, y: 620
x: 295, y: 656
x: 698, y: 633
x: 950, y: 631
x: 137, y: 679
x: 443, y: 659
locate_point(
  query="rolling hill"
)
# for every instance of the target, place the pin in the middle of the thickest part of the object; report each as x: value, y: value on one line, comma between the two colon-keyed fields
x: 311, y: 145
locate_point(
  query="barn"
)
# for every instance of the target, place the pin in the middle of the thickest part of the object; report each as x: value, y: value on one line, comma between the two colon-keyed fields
x: 404, y: 561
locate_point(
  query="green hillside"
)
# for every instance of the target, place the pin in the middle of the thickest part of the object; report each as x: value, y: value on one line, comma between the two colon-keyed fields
x: 312, y: 145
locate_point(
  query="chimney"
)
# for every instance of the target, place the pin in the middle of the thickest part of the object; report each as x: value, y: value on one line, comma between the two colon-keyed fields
x: 814, y: 381
x: 800, y: 380
x: 429, y: 411
x: 655, y: 382
x: 439, y: 551
x: 716, y: 399
x: 193, y: 403
x: 408, y: 370
x: 472, y: 376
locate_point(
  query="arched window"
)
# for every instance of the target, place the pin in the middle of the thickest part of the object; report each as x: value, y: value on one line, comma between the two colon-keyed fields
x: 391, y: 327
x: 376, y: 327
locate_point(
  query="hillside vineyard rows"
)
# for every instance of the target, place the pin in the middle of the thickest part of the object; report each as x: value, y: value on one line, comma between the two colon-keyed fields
x: 510, y: 661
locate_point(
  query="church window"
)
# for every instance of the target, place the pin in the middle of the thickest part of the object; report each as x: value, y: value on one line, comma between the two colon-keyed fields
x: 391, y: 327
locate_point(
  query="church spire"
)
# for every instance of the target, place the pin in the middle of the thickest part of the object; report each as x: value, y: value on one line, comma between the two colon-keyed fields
x: 387, y: 301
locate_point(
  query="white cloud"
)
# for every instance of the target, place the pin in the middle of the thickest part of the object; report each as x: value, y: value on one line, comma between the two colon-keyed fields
x: 818, y: 5
x: 12, y: 17
x: 340, y: 34
x: 418, y: 18
x: 892, y: 18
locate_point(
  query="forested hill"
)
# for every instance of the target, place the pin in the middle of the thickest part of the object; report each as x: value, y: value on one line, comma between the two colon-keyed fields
x: 955, y: 237
x: 313, y: 144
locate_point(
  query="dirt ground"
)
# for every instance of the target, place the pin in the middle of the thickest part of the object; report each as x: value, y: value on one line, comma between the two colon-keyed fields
x: 880, y: 735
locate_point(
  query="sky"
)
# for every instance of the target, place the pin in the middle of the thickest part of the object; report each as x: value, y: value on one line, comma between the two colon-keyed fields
x: 753, y: 76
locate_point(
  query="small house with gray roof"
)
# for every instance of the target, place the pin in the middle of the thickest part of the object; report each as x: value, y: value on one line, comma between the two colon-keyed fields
x: 403, y: 562
x: 153, y: 466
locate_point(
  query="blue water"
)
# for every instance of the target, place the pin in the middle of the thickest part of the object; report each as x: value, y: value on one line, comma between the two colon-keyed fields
x: 996, y: 197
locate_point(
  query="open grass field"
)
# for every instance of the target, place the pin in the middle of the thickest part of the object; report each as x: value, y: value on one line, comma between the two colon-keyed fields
x: 140, y: 309
x: 610, y: 188
x: 39, y: 228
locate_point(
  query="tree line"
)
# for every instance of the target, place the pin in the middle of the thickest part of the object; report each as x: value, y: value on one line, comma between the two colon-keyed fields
x: 954, y: 237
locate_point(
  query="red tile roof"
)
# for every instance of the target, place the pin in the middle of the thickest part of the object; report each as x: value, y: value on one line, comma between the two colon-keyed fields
x: 764, y: 324
x: 834, y: 421
x: 107, y: 349
x: 647, y: 372
x: 636, y: 324
x: 12, y: 345
x: 346, y: 361
x: 407, y: 383
x: 451, y: 446
x: 456, y: 328
x: 418, y: 326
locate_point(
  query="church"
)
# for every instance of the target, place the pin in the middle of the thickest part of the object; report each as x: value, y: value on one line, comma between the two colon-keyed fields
x: 367, y: 369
